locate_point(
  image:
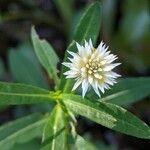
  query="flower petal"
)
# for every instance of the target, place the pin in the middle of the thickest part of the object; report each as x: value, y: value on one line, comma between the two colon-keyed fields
x: 90, y: 43
x: 80, y: 49
x: 90, y: 79
x: 95, y: 87
x: 85, y: 86
x: 77, y: 83
x: 111, y: 66
x: 101, y: 88
x: 67, y: 64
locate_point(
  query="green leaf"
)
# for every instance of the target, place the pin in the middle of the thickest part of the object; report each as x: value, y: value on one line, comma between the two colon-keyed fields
x: 21, y: 131
x: 128, y: 91
x: 75, y: 20
x: 14, y: 126
x: 55, y: 135
x: 46, y: 55
x: 16, y: 94
x: 25, y: 67
x: 108, y: 115
x: 32, y: 145
x: 88, y: 27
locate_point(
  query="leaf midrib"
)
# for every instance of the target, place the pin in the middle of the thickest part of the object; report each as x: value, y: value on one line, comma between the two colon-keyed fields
x: 55, y: 125
x: 23, y: 94
x: 123, y: 122
x: 119, y: 93
x: 19, y: 132
x: 91, y: 20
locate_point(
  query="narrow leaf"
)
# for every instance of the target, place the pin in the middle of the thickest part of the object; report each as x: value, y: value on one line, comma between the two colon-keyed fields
x: 25, y: 67
x: 108, y: 115
x: 128, y: 91
x: 89, y: 25
x: 46, y: 55
x: 55, y: 133
x: 32, y: 145
x: 21, y: 131
x: 16, y: 94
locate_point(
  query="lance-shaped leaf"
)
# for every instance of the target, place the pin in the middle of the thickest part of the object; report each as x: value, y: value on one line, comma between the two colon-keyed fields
x: 21, y: 131
x: 128, y: 91
x: 89, y: 24
x: 46, y: 55
x: 25, y: 67
x: 13, y: 93
x: 55, y: 135
x: 108, y: 115
x: 32, y: 145
x: 88, y: 28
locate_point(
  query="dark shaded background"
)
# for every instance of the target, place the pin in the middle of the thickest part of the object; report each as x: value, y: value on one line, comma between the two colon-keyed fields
x: 125, y: 27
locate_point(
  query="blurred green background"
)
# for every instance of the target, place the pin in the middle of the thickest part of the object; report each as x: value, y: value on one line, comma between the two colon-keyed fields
x: 125, y: 28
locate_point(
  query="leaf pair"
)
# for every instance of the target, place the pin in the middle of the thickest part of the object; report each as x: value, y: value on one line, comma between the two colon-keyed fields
x: 106, y: 114
x: 56, y: 129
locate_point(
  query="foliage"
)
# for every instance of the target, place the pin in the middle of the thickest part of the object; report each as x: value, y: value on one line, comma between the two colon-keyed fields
x: 55, y: 129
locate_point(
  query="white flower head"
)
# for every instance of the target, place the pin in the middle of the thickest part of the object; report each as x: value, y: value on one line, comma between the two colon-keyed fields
x: 92, y: 67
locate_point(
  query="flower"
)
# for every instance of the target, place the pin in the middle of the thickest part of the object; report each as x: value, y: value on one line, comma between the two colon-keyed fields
x: 92, y: 67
